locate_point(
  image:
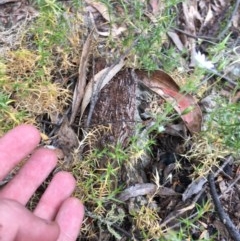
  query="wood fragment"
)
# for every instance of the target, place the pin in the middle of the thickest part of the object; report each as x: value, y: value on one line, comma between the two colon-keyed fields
x: 90, y: 87
x: 220, y: 211
x: 96, y: 92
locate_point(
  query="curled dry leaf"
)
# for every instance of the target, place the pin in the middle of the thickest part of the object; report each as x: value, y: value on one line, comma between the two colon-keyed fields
x: 162, y: 84
x: 94, y: 81
x: 81, y: 83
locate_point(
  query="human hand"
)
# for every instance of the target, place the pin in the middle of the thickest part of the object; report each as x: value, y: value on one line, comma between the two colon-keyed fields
x: 57, y: 215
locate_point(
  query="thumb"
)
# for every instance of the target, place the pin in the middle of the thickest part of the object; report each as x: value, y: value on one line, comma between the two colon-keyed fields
x: 19, y: 224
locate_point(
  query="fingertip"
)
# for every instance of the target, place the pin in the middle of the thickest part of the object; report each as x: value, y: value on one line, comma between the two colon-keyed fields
x: 67, y: 177
x: 76, y: 205
x: 70, y: 218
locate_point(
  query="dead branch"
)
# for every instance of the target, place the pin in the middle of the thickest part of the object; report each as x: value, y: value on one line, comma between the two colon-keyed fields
x: 221, y: 213
x: 230, y: 21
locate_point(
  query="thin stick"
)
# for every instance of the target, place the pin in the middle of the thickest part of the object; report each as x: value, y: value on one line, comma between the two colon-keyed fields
x: 233, y: 232
x: 230, y: 21
x: 206, y: 38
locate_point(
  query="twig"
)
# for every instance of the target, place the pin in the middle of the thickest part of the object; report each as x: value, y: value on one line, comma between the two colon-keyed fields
x: 213, y: 71
x: 123, y: 231
x: 230, y: 21
x: 221, y: 213
x: 206, y: 38
x: 96, y: 91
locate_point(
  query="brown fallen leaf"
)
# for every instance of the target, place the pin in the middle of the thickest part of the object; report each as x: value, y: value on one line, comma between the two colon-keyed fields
x: 81, y: 83
x: 94, y: 81
x: 162, y: 84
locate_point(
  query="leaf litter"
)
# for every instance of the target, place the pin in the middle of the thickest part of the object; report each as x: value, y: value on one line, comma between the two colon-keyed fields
x: 163, y: 181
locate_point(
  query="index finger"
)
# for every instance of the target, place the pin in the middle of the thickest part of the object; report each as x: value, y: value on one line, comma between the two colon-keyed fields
x: 15, y: 145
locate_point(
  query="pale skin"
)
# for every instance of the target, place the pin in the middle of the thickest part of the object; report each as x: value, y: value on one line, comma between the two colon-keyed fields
x: 58, y: 216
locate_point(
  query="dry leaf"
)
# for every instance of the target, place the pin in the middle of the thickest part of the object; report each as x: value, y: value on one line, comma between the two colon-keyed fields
x: 221, y: 229
x: 165, y: 191
x: 191, y: 14
x: 208, y: 17
x: 162, y: 84
x: 145, y: 189
x: 102, y: 9
x: 175, y: 215
x: 8, y: 1
x: 194, y: 188
x: 81, y: 83
x: 223, y: 186
x: 114, y: 32
x: 94, y: 81
x: 137, y: 190
x: 176, y: 40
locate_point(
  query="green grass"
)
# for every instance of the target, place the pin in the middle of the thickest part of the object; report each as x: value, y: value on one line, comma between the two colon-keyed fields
x: 224, y: 123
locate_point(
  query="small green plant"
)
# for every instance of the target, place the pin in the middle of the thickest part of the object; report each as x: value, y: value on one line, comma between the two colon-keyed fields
x: 224, y: 123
